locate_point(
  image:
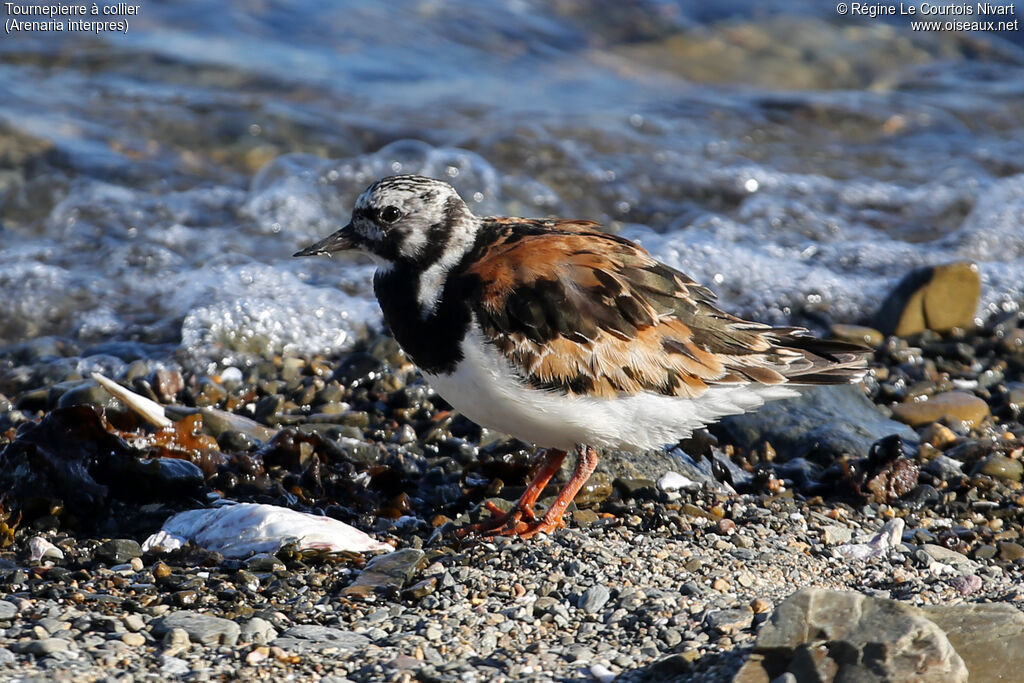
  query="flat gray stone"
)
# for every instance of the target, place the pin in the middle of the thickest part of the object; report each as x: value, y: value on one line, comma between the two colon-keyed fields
x: 947, y: 556
x: 8, y: 610
x: 201, y: 628
x: 310, y: 637
x: 6, y: 656
x: 42, y: 647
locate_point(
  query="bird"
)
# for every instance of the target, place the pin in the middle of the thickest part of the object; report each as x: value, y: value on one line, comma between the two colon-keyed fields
x: 565, y: 336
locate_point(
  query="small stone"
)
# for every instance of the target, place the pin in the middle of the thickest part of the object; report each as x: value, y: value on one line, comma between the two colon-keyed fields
x: 385, y: 573
x: 43, y: 647
x: 1010, y: 551
x: 951, y: 405
x: 264, y: 562
x: 946, y: 556
x: 257, y: 630
x: 935, y: 298
x: 133, y: 639
x: 175, y: 640
x: 133, y: 622
x: 201, y: 628
x: 760, y: 605
x: 729, y: 621
x: 309, y: 637
x: 8, y: 610
x: 118, y: 550
x: 161, y: 570
x: 938, y: 435
x: 1001, y: 467
x: 966, y: 584
x: 171, y: 666
x: 594, y: 599
x: 835, y: 535
x: 858, y: 334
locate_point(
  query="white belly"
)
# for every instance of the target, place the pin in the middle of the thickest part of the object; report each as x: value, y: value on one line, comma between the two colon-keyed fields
x: 485, y: 389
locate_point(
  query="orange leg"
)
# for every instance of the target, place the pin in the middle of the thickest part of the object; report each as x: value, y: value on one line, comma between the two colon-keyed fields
x: 520, y: 520
x: 524, y: 506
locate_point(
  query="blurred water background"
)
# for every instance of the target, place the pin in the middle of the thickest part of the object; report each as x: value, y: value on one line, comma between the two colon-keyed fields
x: 154, y: 184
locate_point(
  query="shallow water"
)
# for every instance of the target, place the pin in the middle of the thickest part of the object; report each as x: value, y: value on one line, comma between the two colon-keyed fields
x: 153, y: 185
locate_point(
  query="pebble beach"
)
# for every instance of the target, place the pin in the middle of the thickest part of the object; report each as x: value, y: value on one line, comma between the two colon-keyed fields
x: 217, y: 464
x: 658, y: 577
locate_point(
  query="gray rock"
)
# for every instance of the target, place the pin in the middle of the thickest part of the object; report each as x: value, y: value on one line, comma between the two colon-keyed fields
x: 987, y: 637
x: 42, y: 647
x: 729, y: 620
x: 946, y: 556
x: 6, y: 656
x: 8, y: 610
x: 594, y: 599
x: 832, y: 420
x: 257, y: 630
x: 264, y: 562
x: 173, y: 666
x: 834, y: 535
x: 817, y: 634
x: 118, y: 550
x: 945, y: 467
x: 310, y: 637
x: 201, y: 628
x: 385, y: 573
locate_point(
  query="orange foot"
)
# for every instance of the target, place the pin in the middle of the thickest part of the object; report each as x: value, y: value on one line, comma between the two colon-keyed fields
x: 521, y: 520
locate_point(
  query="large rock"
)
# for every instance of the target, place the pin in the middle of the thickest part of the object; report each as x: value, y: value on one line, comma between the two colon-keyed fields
x: 932, y: 298
x: 822, y: 635
x: 986, y: 636
x: 830, y: 420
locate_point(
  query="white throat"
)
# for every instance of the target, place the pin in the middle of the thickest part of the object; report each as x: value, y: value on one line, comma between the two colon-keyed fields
x: 432, y: 280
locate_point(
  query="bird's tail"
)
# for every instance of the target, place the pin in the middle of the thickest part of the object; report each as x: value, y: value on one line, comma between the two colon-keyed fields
x: 822, y: 361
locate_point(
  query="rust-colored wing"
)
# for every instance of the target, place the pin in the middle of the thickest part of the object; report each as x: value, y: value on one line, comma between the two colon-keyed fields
x: 579, y: 311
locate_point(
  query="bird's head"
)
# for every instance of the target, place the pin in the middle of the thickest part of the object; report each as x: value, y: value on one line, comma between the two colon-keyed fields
x: 406, y: 219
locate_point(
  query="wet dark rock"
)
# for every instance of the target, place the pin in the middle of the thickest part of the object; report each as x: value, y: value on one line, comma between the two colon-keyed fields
x: 118, y: 550
x: 951, y: 405
x: 231, y: 440
x: 358, y: 368
x: 825, y: 422
x: 936, y: 298
x: 80, y: 392
x: 858, y: 334
x: 1002, y: 467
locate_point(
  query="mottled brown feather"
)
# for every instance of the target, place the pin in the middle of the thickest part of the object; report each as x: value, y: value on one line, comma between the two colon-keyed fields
x: 579, y: 311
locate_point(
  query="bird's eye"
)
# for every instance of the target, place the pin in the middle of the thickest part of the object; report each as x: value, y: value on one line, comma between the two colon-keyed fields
x: 390, y: 214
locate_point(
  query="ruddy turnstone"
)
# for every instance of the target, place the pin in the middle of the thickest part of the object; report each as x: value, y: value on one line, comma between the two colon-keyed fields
x: 564, y: 336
